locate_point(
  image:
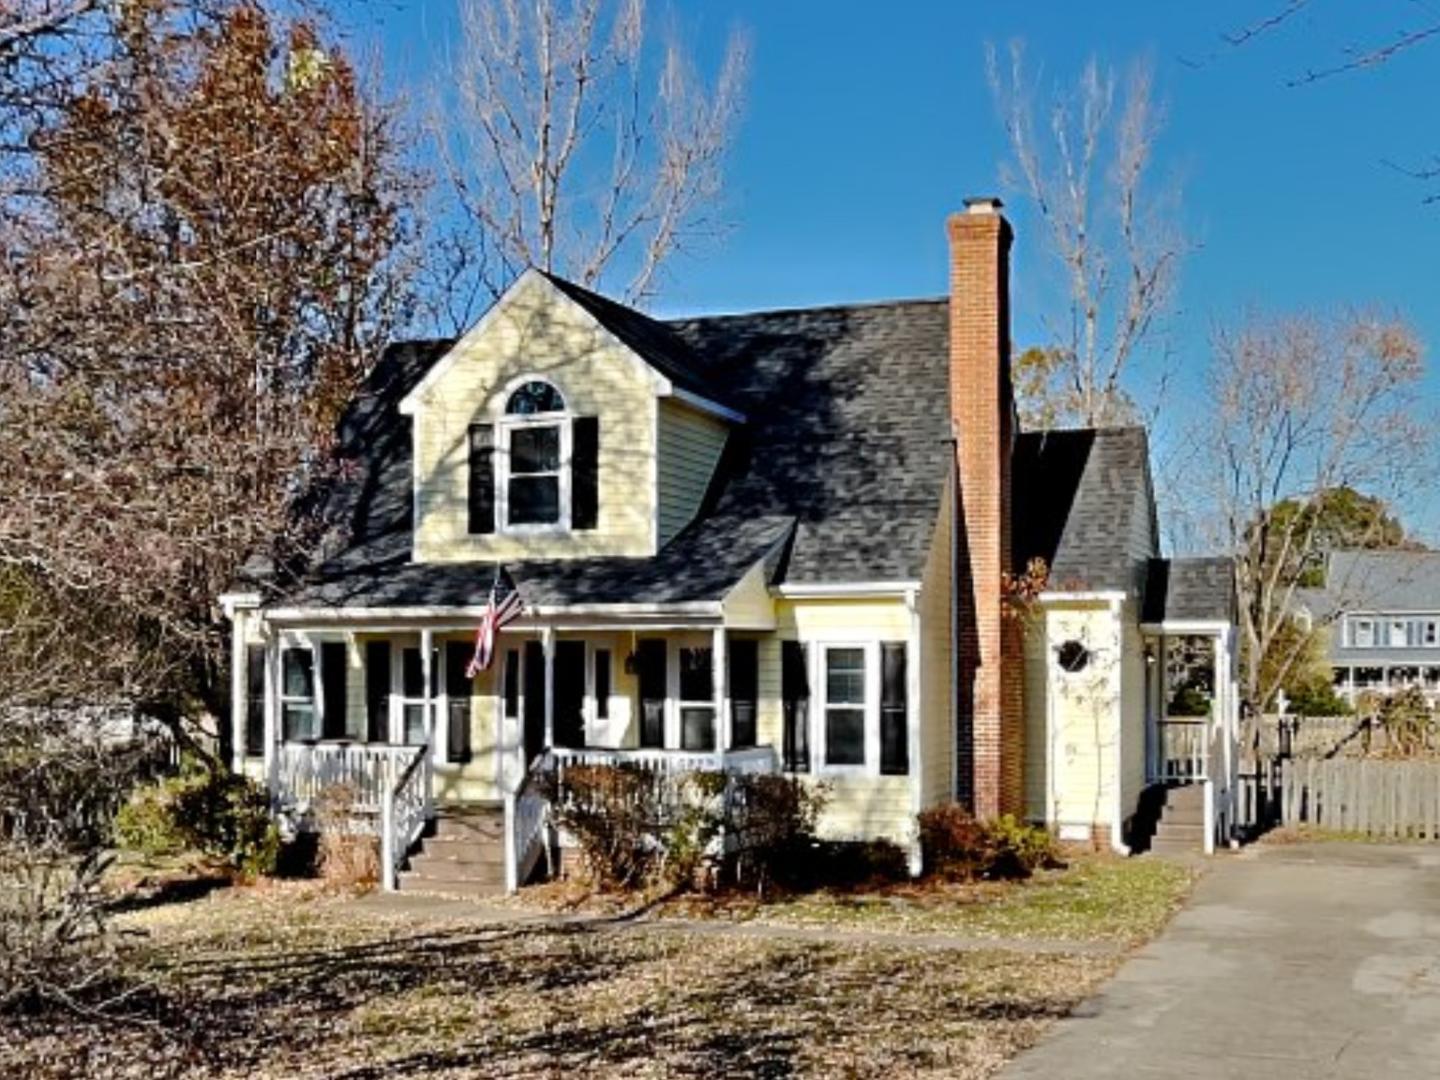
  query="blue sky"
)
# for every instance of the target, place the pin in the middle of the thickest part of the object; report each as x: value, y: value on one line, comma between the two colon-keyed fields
x: 866, y: 124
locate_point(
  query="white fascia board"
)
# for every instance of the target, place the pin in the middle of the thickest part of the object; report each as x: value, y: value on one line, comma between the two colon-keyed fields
x: 696, y: 610
x: 1187, y: 626
x: 847, y: 590
x: 238, y: 601
x: 705, y: 405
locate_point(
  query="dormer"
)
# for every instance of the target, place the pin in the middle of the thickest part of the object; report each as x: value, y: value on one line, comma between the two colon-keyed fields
x: 560, y: 426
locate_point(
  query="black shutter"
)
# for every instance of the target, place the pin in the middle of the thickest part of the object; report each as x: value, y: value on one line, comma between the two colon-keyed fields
x: 458, y: 687
x: 482, y: 478
x: 255, y: 700
x: 585, y: 473
x: 795, y: 694
x: 377, y: 691
x: 512, y: 683
x: 602, y: 684
x: 534, y: 700
x: 744, y: 691
x: 332, y: 679
x: 894, y: 701
x: 650, y: 656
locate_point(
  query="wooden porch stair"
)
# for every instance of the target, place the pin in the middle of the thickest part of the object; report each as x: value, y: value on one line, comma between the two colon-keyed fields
x: 463, y: 854
x: 1180, y: 827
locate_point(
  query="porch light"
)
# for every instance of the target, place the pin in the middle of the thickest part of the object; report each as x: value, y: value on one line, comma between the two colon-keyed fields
x: 631, y: 665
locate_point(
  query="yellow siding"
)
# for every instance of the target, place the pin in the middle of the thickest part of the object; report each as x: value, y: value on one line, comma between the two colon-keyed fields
x: 749, y: 604
x: 537, y: 331
x: 937, y: 720
x: 1084, y: 714
x: 1132, y: 715
x: 860, y: 807
x: 690, y: 444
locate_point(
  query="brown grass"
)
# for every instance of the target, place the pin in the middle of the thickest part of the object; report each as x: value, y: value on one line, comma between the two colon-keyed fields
x: 281, y: 981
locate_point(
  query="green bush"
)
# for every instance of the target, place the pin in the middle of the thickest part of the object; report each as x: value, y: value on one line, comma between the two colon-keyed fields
x: 958, y: 848
x: 213, y: 811
x: 1189, y: 700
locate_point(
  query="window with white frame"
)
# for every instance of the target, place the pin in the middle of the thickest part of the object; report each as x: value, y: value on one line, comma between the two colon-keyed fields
x: 297, y: 694
x: 845, y: 705
x: 1362, y: 633
x: 1399, y: 633
x: 412, y: 695
x: 534, y: 488
x: 697, y: 698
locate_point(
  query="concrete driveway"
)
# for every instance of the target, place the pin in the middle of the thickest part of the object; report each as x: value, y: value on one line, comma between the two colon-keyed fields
x: 1312, y: 960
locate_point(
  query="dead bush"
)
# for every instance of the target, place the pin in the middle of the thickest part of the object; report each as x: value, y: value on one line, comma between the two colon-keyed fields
x: 348, y: 851
x: 956, y: 847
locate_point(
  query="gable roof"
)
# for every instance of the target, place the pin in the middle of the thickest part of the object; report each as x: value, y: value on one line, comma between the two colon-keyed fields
x: 1190, y: 590
x: 837, y: 476
x: 1083, y: 502
x: 1376, y: 581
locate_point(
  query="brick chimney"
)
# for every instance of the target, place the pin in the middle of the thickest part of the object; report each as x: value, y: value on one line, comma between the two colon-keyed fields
x: 990, y: 723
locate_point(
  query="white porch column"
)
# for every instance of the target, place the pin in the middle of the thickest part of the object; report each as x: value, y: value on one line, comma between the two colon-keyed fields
x: 719, y: 683
x: 427, y: 666
x: 272, y: 709
x: 547, y: 642
x: 239, y: 706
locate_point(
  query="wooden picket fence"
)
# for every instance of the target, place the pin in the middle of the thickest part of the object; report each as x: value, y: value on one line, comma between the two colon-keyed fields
x: 1392, y: 799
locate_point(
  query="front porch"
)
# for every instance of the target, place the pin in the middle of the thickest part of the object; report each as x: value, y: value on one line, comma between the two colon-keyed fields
x: 385, y: 712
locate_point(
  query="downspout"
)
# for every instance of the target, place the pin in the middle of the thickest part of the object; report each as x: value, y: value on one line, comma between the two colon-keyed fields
x: 1117, y: 824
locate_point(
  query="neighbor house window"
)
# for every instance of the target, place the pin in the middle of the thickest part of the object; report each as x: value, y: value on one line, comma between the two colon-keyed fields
x: 1362, y: 633
x: 844, y: 705
x: 297, y: 694
x: 1432, y: 632
x: 1399, y: 633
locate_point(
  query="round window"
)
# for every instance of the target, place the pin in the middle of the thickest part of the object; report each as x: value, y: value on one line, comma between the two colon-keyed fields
x: 1073, y: 657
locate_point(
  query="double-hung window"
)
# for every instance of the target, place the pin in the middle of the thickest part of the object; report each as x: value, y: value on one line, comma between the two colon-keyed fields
x: 534, y: 459
x: 1362, y: 633
x: 845, y: 705
x: 297, y: 694
x: 697, y: 698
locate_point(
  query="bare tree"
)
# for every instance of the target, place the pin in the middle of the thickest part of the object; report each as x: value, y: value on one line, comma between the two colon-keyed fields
x: 575, y: 144
x: 1086, y: 172
x: 1303, y: 406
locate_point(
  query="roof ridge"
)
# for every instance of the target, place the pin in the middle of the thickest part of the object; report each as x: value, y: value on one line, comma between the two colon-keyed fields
x: 916, y: 301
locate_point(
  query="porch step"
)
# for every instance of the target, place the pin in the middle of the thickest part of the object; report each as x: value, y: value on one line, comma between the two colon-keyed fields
x: 464, y: 855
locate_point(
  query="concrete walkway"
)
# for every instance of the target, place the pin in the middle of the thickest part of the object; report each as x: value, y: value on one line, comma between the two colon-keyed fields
x: 1317, y: 960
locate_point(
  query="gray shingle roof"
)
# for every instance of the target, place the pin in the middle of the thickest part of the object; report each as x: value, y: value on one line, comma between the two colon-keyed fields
x: 1197, y: 589
x: 1083, y: 503
x: 1377, y: 581
x: 836, y: 476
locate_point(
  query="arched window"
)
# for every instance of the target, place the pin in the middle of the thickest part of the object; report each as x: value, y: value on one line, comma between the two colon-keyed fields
x: 533, y: 398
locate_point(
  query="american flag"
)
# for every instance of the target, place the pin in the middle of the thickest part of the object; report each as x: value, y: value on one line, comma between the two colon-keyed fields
x: 503, y: 607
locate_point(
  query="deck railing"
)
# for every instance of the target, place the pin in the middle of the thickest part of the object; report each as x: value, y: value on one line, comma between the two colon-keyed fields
x: 404, y: 809
x: 754, y: 759
x: 1183, y: 753
x: 305, y: 770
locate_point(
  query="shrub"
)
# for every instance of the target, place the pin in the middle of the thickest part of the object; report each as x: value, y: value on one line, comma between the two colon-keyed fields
x: 772, y: 825
x: 1017, y: 849
x: 60, y: 785
x: 347, y: 854
x: 957, y: 847
x: 952, y: 843
x: 616, y: 816
x: 213, y: 811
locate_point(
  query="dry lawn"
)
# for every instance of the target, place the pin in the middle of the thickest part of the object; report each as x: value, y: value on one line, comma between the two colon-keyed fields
x: 287, y: 981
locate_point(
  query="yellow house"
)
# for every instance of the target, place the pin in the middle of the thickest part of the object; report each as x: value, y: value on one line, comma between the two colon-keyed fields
x: 776, y: 541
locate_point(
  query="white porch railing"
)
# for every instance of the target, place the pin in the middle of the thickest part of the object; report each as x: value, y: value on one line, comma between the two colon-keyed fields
x: 755, y: 759
x: 304, y: 770
x: 1183, y: 751
x: 404, y: 809
x: 526, y: 824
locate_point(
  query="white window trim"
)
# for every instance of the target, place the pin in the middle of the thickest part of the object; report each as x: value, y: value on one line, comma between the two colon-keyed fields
x: 398, y: 700
x: 1354, y: 623
x: 673, y: 703
x: 506, y: 424
x: 820, y: 689
x: 315, y: 697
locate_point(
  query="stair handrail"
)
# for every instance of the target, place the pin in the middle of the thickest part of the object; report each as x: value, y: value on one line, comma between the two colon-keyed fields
x: 526, y: 821
x: 403, y: 811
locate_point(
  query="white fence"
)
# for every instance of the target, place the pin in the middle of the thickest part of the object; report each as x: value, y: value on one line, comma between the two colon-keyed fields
x: 305, y: 770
